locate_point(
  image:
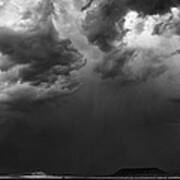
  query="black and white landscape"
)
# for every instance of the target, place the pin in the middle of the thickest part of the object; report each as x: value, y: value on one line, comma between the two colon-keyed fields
x: 89, y: 87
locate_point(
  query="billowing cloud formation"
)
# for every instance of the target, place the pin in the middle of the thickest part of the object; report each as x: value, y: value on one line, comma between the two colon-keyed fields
x: 101, y: 21
x: 138, y: 37
x: 34, y: 61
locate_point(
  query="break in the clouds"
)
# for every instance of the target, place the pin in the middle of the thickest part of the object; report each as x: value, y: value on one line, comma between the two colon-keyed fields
x: 139, y: 38
x: 35, y: 60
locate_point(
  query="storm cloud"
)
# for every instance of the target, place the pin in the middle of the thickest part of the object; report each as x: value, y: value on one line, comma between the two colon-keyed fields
x: 138, y: 38
x: 127, y: 118
x: 111, y: 12
x: 34, y: 59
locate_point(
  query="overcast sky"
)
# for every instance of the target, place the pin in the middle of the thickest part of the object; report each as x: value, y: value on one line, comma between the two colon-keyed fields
x: 113, y: 102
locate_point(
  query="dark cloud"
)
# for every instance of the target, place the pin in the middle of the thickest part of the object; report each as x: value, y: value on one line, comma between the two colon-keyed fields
x: 45, y: 56
x: 129, y: 68
x: 113, y: 62
x: 100, y: 22
x: 38, y: 56
x: 152, y: 7
x: 96, y: 130
x: 127, y: 51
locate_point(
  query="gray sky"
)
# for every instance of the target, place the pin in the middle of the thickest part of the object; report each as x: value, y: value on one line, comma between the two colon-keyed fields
x: 103, y: 126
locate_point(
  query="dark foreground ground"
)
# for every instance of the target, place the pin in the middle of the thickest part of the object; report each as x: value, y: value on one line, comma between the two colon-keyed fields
x: 69, y: 177
x: 126, y: 174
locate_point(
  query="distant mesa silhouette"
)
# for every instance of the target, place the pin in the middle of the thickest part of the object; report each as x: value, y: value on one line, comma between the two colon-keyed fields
x: 141, y: 172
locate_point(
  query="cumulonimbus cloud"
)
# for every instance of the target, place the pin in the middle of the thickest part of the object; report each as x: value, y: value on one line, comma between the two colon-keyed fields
x: 34, y: 60
x: 138, y: 38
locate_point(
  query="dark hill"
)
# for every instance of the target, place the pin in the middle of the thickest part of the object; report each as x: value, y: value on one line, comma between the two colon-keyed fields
x: 141, y: 172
